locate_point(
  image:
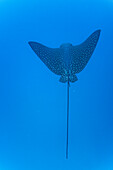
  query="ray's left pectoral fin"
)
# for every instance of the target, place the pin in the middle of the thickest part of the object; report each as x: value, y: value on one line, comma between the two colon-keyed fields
x: 51, y: 57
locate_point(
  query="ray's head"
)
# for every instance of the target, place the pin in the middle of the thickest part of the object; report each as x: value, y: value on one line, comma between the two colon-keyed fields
x: 65, y: 45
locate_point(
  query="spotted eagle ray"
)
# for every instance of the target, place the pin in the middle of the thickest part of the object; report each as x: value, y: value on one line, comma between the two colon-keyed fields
x: 67, y: 61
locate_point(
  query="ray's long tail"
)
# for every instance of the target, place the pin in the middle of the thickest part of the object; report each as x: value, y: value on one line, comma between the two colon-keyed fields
x: 68, y: 85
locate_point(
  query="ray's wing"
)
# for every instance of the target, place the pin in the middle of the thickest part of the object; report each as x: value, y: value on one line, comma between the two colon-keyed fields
x: 82, y: 53
x: 51, y: 57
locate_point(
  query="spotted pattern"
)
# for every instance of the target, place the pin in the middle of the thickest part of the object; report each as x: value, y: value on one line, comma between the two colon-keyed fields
x: 68, y: 59
x: 51, y: 57
x: 81, y: 54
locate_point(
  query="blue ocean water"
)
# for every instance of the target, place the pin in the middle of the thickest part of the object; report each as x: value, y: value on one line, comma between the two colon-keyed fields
x: 33, y: 101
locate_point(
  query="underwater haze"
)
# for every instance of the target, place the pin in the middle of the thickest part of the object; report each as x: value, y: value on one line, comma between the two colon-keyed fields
x: 33, y: 103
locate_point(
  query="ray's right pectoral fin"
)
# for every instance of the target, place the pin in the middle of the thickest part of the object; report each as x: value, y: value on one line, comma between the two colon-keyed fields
x: 64, y: 78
